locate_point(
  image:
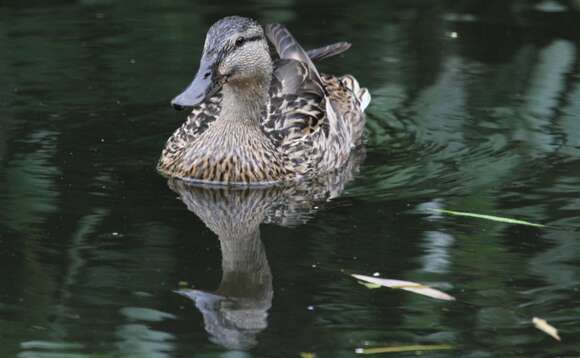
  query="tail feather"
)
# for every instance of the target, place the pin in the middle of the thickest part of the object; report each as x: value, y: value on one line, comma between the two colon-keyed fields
x: 362, y: 95
x: 364, y: 98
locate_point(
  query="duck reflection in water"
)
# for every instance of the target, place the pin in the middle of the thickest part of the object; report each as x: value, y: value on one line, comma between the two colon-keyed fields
x: 237, y: 311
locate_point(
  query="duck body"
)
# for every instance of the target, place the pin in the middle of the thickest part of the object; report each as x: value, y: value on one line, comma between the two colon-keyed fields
x: 258, y: 120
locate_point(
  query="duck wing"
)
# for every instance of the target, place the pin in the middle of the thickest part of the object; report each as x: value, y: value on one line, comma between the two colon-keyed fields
x: 299, y: 111
x: 289, y: 49
x: 286, y: 45
x: 325, y: 52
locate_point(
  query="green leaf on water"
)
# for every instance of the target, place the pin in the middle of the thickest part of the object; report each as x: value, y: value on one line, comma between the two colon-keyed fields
x: 307, y: 355
x: 398, y: 349
x: 370, y: 286
x: 488, y: 217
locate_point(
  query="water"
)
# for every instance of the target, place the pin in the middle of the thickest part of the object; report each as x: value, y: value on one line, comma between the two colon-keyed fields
x: 475, y: 108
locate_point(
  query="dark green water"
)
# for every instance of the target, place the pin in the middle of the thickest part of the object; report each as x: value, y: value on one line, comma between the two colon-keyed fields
x: 476, y: 107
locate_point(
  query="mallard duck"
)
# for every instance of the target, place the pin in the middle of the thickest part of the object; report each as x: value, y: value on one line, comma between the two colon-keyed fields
x: 260, y: 118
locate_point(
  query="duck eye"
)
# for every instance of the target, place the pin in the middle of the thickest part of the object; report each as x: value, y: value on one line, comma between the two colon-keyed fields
x: 240, y: 41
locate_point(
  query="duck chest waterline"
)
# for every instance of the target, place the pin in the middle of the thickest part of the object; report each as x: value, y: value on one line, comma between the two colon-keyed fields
x: 232, y: 150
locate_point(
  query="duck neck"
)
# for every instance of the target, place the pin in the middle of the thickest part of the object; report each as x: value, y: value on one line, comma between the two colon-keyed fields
x: 244, y: 102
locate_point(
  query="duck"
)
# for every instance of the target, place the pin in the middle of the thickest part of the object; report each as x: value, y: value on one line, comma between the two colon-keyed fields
x: 261, y: 113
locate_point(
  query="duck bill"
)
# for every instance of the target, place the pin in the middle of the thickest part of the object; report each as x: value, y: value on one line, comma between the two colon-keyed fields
x: 204, y: 85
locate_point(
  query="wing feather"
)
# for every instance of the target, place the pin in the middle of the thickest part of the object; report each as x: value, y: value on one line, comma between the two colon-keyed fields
x: 289, y: 49
x: 328, y: 51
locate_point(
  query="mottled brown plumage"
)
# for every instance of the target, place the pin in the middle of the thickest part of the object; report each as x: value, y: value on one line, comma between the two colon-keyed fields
x: 260, y: 120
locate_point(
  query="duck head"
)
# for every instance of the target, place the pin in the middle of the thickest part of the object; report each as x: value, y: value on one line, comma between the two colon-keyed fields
x: 235, y: 54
